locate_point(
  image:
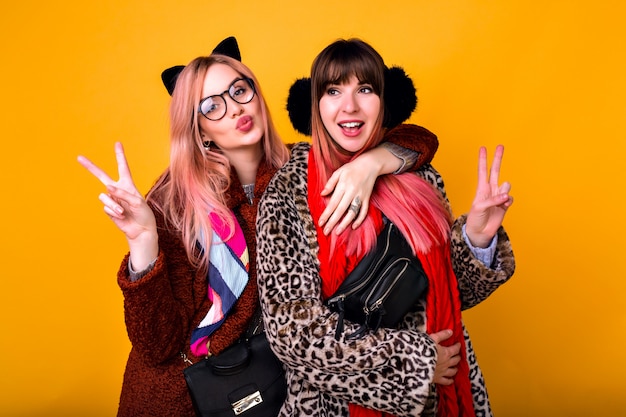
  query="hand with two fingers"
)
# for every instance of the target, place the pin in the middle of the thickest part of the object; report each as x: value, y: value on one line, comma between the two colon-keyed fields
x: 128, y: 209
x: 491, y: 202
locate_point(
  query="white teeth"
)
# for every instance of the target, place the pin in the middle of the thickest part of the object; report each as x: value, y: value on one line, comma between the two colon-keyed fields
x: 350, y: 125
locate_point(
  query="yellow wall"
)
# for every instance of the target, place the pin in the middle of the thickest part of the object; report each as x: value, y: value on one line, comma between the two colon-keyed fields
x: 545, y: 78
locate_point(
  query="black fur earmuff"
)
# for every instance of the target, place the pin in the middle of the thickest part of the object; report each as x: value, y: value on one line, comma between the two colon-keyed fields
x: 400, y: 100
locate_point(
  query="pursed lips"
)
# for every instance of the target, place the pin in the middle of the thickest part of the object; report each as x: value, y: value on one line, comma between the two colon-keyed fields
x: 244, y: 123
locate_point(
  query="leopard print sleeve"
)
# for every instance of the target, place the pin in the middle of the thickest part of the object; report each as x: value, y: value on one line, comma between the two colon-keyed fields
x: 476, y: 280
x: 387, y: 370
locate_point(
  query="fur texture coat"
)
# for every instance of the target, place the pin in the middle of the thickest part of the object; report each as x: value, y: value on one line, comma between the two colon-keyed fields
x: 386, y: 370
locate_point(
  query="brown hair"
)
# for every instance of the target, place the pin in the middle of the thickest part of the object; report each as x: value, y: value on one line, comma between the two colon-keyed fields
x: 336, y: 64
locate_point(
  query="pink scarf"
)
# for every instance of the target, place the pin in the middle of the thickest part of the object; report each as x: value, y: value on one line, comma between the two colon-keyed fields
x: 227, y: 278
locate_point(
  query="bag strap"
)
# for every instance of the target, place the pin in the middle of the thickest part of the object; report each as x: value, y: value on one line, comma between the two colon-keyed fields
x: 255, y: 327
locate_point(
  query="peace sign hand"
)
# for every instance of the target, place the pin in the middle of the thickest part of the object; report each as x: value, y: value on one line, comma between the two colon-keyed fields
x: 127, y: 208
x: 490, y: 203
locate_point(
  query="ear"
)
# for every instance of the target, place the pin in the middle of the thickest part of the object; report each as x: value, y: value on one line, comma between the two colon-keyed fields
x: 228, y: 47
x: 299, y: 105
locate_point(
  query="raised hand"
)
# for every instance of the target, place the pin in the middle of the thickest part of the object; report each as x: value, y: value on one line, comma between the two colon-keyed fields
x: 127, y: 208
x: 491, y: 202
x: 448, y: 357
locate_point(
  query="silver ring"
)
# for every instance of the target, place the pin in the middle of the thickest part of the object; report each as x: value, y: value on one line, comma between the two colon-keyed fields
x: 355, y: 206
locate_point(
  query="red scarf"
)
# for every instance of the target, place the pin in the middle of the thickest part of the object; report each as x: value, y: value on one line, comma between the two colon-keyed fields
x: 443, y: 306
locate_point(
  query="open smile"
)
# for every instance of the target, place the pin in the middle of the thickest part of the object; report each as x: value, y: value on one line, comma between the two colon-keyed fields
x: 351, y: 125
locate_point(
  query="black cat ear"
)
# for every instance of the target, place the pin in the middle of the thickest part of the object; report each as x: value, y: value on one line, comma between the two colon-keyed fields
x: 169, y: 77
x: 400, y: 97
x: 299, y: 105
x: 228, y: 47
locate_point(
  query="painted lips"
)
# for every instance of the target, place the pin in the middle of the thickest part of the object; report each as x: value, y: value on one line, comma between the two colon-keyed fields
x: 245, y: 123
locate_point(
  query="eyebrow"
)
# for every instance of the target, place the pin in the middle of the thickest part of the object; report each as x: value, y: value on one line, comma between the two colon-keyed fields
x: 229, y: 85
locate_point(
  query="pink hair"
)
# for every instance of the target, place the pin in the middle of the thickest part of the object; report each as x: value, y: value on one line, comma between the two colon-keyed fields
x: 411, y: 203
x: 196, y: 181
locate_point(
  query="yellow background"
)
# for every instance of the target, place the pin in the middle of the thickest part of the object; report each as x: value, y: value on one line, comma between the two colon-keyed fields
x: 545, y: 78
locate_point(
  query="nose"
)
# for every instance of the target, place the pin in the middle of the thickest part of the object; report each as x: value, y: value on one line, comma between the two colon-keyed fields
x: 234, y: 108
x: 350, y: 103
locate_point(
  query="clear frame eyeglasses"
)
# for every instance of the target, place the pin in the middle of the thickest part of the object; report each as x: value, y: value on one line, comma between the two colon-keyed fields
x: 214, y: 107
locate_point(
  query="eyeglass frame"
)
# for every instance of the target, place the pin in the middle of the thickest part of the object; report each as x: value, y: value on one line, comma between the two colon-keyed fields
x: 249, y: 80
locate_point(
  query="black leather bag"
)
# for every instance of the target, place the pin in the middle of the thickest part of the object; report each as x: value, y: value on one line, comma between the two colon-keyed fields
x: 246, y: 380
x: 383, y: 287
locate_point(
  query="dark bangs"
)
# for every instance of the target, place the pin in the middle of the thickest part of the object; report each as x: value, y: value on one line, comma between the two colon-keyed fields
x: 343, y: 59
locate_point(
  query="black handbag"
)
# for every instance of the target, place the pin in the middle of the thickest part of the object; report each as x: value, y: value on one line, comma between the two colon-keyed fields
x: 383, y: 287
x: 246, y: 379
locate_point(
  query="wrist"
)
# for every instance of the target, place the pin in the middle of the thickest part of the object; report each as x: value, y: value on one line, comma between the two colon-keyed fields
x: 143, y: 250
x: 478, y: 240
x: 375, y: 158
x: 404, y: 158
x: 392, y: 161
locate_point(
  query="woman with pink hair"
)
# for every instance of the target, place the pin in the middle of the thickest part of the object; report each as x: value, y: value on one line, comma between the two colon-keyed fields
x: 425, y: 364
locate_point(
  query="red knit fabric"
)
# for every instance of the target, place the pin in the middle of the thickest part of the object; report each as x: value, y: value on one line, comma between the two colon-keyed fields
x: 443, y: 307
x: 443, y: 311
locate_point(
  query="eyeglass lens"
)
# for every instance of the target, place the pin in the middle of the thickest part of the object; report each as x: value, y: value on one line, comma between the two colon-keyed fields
x: 214, y: 107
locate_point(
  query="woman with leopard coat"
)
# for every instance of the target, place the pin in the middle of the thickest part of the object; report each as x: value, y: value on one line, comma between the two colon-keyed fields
x: 426, y: 365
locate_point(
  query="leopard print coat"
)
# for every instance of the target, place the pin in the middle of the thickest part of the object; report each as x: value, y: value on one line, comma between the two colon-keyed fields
x: 389, y: 370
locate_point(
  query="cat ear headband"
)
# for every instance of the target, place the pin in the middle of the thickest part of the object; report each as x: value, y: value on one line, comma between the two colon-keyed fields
x: 400, y: 100
x: 228, y: 47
